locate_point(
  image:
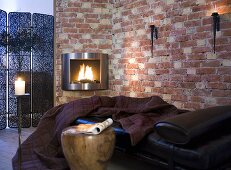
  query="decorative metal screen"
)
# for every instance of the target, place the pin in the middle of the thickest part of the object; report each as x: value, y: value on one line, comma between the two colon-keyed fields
x: 19, y: 56
x: 26, y: 51
x: 3, y: 69
x: 42, y: 77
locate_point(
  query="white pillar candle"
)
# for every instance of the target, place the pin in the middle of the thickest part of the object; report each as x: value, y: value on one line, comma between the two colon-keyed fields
x: 19, y: 87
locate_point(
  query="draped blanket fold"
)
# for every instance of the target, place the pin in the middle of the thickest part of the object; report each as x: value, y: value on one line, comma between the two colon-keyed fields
x: 42, y: 149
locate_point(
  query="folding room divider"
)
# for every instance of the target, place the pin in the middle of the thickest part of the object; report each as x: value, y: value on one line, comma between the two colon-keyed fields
x: 26, y: 50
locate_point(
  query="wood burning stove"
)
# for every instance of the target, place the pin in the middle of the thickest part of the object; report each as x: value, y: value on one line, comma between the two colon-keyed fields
x: 84, y: 71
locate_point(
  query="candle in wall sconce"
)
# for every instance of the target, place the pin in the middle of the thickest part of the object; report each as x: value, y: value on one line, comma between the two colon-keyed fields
x: 154, y: 33
x: 19, y: 87
x: 216, y: 26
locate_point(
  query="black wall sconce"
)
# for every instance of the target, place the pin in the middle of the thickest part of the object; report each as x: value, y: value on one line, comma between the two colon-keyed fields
x: 154, y: 34
x: 216, y: 27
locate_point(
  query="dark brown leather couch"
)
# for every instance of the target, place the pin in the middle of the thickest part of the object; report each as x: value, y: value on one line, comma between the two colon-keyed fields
x: 193, y: 140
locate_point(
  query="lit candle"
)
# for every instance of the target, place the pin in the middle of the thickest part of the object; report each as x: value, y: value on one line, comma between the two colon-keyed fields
x: 215, y: 8
x: 19, y: 87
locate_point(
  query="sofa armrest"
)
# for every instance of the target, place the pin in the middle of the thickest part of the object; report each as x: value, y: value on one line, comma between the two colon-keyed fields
x: 184, y: 127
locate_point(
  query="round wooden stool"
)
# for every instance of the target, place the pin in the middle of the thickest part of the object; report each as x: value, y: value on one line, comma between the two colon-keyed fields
x: 88, y: 152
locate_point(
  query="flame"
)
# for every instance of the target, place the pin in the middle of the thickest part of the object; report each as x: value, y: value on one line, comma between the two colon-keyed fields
x: 85, y: 73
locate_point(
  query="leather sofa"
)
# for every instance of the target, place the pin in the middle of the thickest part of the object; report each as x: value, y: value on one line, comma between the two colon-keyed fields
x: 193, y: 140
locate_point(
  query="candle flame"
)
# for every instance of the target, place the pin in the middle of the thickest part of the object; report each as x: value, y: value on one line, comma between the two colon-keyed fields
x: 215, y: 8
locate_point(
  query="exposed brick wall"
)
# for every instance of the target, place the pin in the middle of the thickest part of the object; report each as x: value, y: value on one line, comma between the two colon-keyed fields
x: 183, y: 69
x: 81, y: 26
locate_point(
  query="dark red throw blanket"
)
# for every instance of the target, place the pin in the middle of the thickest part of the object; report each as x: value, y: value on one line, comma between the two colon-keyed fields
x: 42, y: 150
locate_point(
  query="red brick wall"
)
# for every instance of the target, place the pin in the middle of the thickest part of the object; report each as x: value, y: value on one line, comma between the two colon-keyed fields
x: 183, y: 69
x: 81, y: 26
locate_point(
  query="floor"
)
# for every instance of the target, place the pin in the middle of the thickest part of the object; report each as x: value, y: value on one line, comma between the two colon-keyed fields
x: 9, y: 144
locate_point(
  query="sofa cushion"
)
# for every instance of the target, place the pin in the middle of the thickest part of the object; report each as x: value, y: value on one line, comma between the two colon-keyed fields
x: 209, y: 151
x: 183, y: 128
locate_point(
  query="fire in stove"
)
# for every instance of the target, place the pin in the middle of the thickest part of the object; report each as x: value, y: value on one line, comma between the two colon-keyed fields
x: 85, y: 75
x: 84, y: 71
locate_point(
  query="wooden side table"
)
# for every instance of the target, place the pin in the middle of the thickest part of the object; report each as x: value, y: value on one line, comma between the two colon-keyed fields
x: 88, y: 152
